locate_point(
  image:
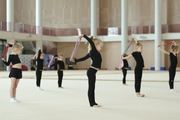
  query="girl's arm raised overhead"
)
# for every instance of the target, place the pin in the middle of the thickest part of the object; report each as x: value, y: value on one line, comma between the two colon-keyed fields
x: 135, y: 40
x: 89, y: 40
x: 174, y: 43
x: 164, y: 51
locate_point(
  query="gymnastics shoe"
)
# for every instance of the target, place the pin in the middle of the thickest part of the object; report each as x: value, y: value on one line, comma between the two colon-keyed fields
x: 39, y: 88
x: 13, y: 100
x: 173, y: 90
x: 96, y: 106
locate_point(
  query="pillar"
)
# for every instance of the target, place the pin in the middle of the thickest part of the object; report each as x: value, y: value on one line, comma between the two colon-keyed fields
x: 158, y: 32
x: 124, y: 24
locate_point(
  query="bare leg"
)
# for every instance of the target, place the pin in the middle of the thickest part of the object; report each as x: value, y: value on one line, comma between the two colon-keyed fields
x: 13, y: 87
x: 14, y: 84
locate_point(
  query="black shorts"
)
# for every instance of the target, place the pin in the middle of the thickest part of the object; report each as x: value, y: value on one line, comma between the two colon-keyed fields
x: 16, y: 73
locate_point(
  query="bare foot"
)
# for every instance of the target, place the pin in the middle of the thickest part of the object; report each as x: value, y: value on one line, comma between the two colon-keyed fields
x: 95, y: 106
x: 140, y: 95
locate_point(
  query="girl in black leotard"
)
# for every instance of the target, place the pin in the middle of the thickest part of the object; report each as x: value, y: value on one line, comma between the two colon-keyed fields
x: 173, y: 64
x: 61, y: 67
x: 94, y: 53
x: 124, y: 69
x: 39, y: 69
x: 139, y: 67
x: 16, y: 72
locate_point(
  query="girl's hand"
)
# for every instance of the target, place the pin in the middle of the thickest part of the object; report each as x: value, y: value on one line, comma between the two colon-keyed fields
x: 7, y: 45
x: 3, y: 59
x: 72, y: 60
x: 13, y: 42
x: 81, y: 36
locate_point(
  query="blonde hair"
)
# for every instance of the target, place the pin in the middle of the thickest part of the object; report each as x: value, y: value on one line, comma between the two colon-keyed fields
x: 17, y: 46
x: 96, y: 42
x: 137, y: 45
x: 174, y: 48
x: 60, y: 54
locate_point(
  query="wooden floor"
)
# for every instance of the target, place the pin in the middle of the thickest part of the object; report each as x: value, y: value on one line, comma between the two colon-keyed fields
x: 118, y: 102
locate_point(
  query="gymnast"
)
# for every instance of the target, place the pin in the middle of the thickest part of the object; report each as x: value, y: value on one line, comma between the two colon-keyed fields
x: 139, y: 67
x: 95, y: 45
x: 16, y: 72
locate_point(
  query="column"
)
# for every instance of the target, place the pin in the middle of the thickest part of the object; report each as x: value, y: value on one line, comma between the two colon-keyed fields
x: 93, y: 18
x: 39, y: 23
x: 10, y: 22
x: 10, y: 15
x: 157, y: 41
x: 124, y: 24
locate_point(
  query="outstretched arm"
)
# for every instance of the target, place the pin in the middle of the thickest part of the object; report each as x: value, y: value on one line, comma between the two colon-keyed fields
x: 83, y: 58
x: 80, y: 59
x: 164, y: 51
x: 127, y: 57
x: 53, y: 64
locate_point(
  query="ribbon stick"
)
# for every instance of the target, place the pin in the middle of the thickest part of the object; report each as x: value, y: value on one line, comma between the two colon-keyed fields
x: 129, y: 44
x: 120, y: 64
x: 79, y: 31
x: 50, y: 61
x: 121, y: 61
x: 78, y: 41
x: 34, y: 55
x: 75, y: 48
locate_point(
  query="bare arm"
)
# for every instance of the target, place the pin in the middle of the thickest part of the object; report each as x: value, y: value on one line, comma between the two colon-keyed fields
x: 164, y: 51
x: 174, y: 43
x: 135, y: 40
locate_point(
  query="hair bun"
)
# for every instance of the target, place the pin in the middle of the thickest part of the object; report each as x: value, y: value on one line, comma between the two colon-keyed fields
x: 91, y: 37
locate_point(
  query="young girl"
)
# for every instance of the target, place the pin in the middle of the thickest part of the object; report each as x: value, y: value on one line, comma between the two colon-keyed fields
x: 94, y: 53
x: 39, y: 68
x: 139, y: 67
x: 124, y: 69
x: 60, y: 70
x: 173, y: 64
x: 16, y: 72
